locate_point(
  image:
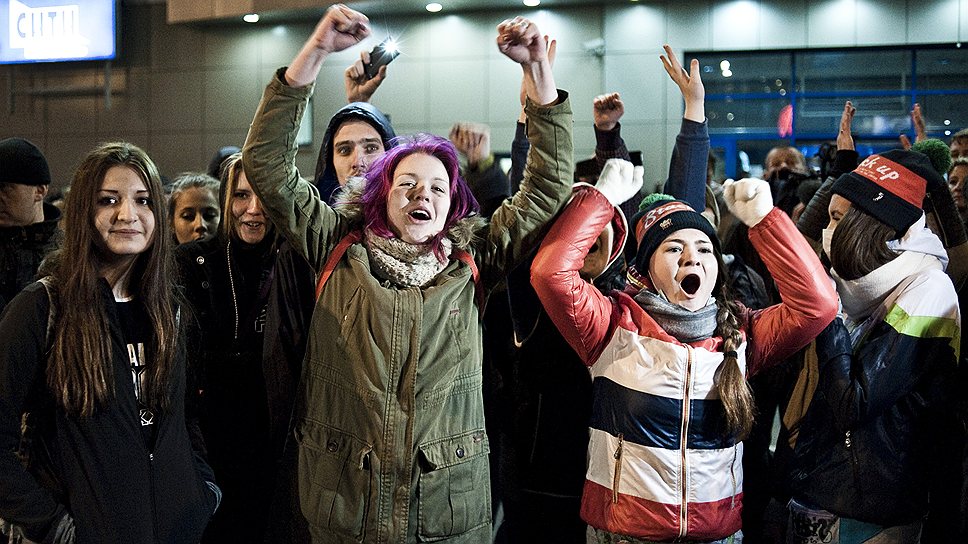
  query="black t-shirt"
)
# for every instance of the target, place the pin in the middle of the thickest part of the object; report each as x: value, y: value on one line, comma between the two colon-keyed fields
x: 136, y: 331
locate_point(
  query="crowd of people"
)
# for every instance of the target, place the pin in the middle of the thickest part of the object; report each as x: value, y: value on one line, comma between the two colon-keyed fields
x: 414, y: 345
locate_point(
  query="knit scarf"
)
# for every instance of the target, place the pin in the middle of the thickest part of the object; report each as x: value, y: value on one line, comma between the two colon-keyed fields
x: 403, y: 264
x: 862, y: 296
x: 684, y: 325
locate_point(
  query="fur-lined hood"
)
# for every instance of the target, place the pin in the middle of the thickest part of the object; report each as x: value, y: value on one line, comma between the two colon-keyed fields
x: 348, y: 202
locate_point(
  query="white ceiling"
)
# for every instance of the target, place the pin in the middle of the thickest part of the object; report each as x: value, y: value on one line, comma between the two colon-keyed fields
x: 410, y: 7
x: 417, y: 6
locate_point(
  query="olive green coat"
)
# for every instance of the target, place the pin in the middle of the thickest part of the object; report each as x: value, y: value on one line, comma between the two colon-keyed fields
x: 390, y: 418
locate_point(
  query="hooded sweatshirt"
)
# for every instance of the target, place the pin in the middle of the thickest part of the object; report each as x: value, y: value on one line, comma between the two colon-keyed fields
x: 325, y: 178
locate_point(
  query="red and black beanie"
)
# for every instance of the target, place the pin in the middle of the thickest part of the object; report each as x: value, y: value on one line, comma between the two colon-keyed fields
x: 890, y: 187
x: 659, y: 219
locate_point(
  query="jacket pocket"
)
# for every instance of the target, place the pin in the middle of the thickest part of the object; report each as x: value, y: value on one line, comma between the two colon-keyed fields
x: 335, y: 478
x: 351, y: 312
x: 458, y: 323
x: 453, y: 494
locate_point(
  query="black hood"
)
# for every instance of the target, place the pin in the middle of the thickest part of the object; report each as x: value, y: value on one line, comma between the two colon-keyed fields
x: 325, y: 178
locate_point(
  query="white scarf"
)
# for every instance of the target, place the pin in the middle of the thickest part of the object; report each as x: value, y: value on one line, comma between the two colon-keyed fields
x: 862, y: 296
x: 920, y: 250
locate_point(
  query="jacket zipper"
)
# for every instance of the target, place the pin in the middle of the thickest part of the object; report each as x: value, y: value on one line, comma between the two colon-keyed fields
x: 151, y: 489
x: 235, y: 302
x: 853, y: 459
x: 617, y: 476
x: 537, y: 429
x: 683, y: 443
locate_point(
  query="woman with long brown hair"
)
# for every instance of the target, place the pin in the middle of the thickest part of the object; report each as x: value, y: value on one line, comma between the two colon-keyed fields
x: 94, y: 352
x: 877, y: 450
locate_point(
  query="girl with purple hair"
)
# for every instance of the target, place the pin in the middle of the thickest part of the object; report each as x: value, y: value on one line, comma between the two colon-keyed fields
x: 389, y: 418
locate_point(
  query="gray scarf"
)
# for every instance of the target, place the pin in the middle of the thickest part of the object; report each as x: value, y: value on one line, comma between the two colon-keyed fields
x: 682, y: 324
x: 403, y: 264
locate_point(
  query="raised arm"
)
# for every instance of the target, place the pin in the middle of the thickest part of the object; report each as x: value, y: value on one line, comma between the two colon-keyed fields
x: 269, y: 155
x: 339, y: 29
x: 809, y: 302
x: 517, y: 225
x: 607, y: 110
x: 814, y: 217
x: 520, y: 145
x: 520, y: 40
x: 687, y: 166
x: 580, y: 312
x: 920, y: 132
x: 360, y: 88
x: 483, y: 174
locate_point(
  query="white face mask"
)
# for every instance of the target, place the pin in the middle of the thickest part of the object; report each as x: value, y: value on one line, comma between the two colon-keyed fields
x: 658, y: 291
x: 826, y: 236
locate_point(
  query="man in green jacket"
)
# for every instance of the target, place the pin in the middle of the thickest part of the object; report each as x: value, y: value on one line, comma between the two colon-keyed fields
x: 389, y: 419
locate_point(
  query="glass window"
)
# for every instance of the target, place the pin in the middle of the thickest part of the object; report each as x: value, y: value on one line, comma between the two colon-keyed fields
x: 876, y: 115
x: 742, y: 116
x: 839, y: 71
x: 752, y: 106
x: 756, y: 151
x: 734, y: 73
x: 942, y: 69
x: 944, y: 113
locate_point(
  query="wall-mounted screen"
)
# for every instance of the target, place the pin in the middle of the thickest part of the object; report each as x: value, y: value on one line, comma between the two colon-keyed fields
x: 57, y: 30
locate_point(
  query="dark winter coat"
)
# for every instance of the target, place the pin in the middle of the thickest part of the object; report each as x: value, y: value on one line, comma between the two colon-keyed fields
x: 869, y: 441
x: 116, y: 490
x: 21, y: 251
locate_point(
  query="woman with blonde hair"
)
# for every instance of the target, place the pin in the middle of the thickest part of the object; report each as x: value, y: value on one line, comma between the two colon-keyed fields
x: 243, y: 396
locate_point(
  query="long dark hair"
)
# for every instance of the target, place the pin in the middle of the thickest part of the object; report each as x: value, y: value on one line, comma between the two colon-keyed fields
x: 859, y: 244
x: 80, y: 370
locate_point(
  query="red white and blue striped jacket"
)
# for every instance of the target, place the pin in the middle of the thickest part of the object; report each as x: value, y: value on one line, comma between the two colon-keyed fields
x: 660, y: 464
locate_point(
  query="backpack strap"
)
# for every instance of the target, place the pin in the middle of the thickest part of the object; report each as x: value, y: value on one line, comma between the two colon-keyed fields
x: 48, y: 283
x: 334, y: 258
x: 37, y: 420
x: 466, y: 258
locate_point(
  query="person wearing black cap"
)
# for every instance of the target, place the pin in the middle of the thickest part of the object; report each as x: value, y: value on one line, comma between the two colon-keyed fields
x: 28, y: 226
x: 871, y: 442
x: 670, y: 355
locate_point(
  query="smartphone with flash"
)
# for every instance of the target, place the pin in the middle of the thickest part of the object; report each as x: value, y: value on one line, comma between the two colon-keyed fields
x: 381, y: 55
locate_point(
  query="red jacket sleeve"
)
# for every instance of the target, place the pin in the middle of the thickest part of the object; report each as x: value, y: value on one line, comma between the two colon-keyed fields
x: 808, y: 295
x: 581, y: 313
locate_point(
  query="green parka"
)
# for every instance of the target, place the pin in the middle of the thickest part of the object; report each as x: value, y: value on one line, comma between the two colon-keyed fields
x: 390, y: 418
